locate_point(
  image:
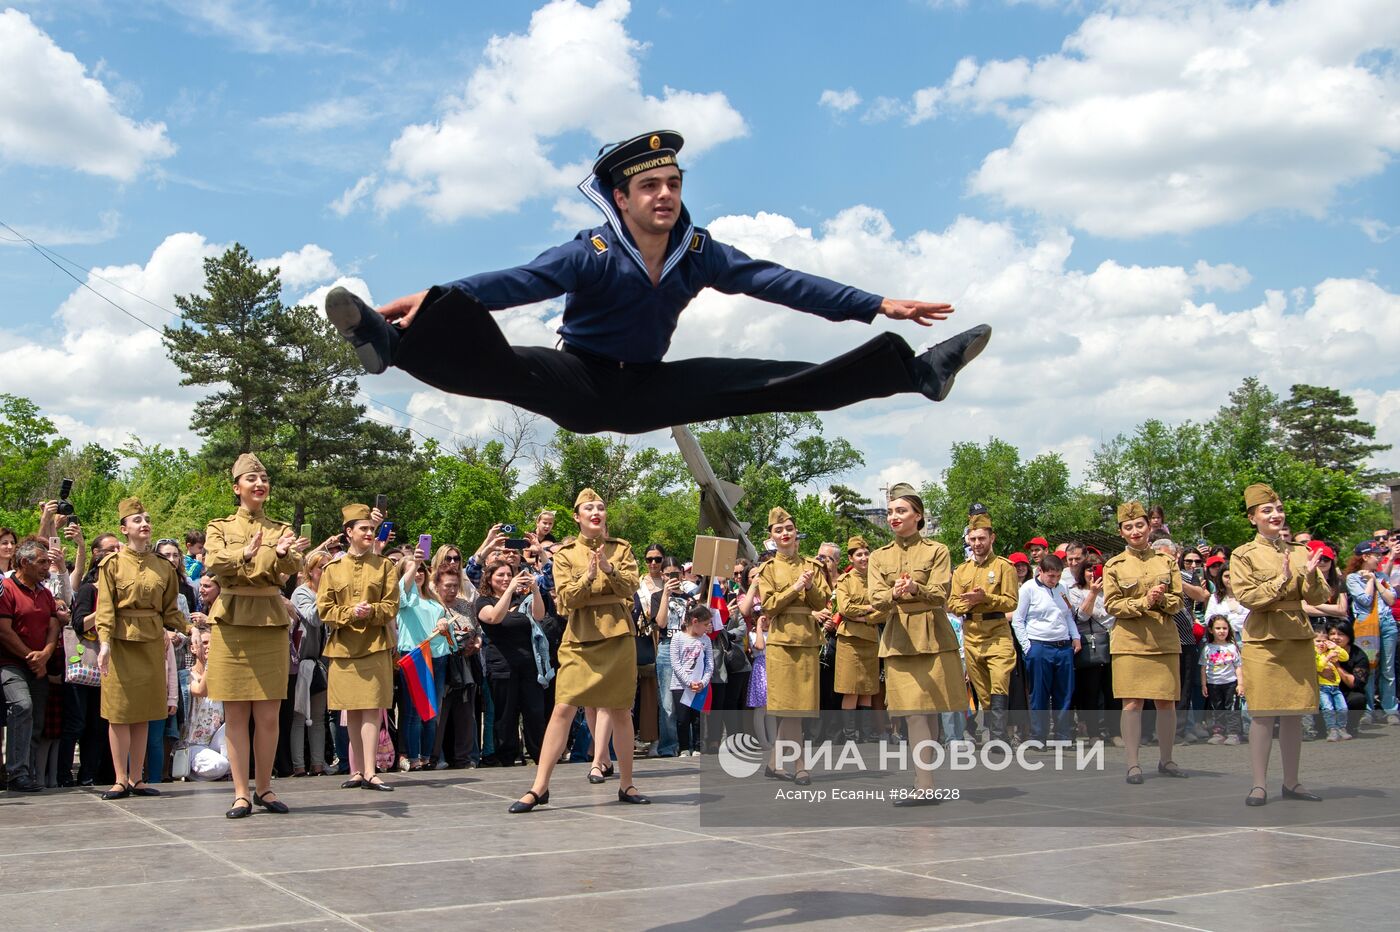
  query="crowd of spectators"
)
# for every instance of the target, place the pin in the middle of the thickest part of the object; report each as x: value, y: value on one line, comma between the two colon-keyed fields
x: 494, y: 679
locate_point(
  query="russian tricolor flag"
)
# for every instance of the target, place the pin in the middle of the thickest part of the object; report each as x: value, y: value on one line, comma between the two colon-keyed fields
x: 417, y: 667
x: 699, y: 701
x: 718, y: 603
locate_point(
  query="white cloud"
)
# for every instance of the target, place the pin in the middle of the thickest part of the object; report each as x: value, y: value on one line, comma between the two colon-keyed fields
x: 1377, y: 231
x: 307, y: 265
x: 1168, y: 116
x: 110, y: 221
x: 575, y: 70
x: 348, y: 201
x: 53, y: 113
x: 103, y: 376
x: 327, y: 114
x: 253, y: 25
x: 317, y: 297
x: 840, y: 101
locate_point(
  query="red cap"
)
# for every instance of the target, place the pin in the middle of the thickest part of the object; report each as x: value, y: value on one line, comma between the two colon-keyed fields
x: 1316, y: 544
x: 1093, y: 550
x: 1328, y: 553
x: 1214, y: 559
x: 1038, y: 541
x: 1061, y: 554
x: 1019, y: 557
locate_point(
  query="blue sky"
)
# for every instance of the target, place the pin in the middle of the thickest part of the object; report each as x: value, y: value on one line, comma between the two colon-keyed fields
x: 1148, y: 200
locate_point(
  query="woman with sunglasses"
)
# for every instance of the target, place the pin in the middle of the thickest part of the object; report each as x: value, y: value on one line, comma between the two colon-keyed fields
x: 420, y: 618
x: 137, y: 599
x: 656, y: 598
x: 595, y: 578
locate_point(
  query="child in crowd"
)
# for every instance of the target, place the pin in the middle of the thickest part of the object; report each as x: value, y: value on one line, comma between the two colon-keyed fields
x: 692, y: 665
x: 1220, y: 680
x: 765, y: 728
x: 1329, y: 679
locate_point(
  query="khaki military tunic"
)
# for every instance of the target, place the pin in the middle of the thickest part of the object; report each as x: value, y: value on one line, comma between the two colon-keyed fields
x: 988, y: 644
x: 359, y: 651
x: 1278, y: 665
x: 248, y: 640
x: 598, y: 654
x: 857, y: 637
x: 1144, y: 644
x: 794, y: 637
x: 137, y: 597
x: 923, y: 671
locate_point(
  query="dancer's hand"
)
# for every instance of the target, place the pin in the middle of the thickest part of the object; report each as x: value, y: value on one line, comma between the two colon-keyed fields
x: 403, y: 309
x: 920, y: 312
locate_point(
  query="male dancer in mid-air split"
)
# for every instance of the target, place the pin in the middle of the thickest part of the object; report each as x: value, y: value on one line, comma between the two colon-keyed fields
x: 627, y: 282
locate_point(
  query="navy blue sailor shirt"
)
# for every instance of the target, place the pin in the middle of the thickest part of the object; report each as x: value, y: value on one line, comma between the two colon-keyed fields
x: 613, y: 310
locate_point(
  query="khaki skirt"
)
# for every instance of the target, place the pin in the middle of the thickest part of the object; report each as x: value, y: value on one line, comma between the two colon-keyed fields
x: 246, y: 663
x: 598, y: 674
x: 1147, y: 676
x: 358, y: 683
x: 793, y: 688
x: 133, y: 691
x: 918, y: 684
x: 857, y: 666
x: 1280, y: 677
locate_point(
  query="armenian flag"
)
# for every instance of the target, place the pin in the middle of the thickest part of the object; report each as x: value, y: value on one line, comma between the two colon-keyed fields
x: 417, y: 667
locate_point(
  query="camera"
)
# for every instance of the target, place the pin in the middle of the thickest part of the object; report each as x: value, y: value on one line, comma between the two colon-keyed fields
x: 65, y: 507
x: 508, y: 530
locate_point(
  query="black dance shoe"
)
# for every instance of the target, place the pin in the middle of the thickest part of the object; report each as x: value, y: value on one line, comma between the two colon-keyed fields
x: 634, y: 797
x: 935, y: 368
x: 1302, y: 795
x: 1252, y: 800
x: 240, y: 812
x: 1134, y: 778
x: 356, y: 781
x: 141, y: 789
x: 600, y: 778
x: 374, y: 783
x: 271, y: 805
x: 1168, y: 768
x: 375, y: 340
x: 539, y: 799
x: 122, y: 793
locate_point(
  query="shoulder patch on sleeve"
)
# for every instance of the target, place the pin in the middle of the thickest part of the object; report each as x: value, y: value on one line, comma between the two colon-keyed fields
x: 600, y: 245
x: 697, y: 242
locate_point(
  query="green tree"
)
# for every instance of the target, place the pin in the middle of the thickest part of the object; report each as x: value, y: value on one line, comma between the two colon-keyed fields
x: 1323, y: 430
x: 1023, y: 499
x: 28, y: 444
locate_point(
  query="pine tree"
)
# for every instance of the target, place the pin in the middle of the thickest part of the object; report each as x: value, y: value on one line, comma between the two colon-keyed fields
x: 1323, y: 430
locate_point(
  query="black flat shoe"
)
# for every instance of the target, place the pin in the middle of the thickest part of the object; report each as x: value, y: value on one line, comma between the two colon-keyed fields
x: 374, y: 783
x: 802, y: 778
x: 142, y: 790
x: 634, y: 797
x: 1134, y: 778
x: 909, y: 802
x: 935, y: 368
x: 539, y: 799
x: 1252, y: 800
x: 122, y: 793
x: 271, y: 805
x: 375, y: 340
x: 608, y: 771
x: 356, y: 781
x: 600, y: 778
x: 1170, y: 769
x: 772, y: 774
x: 240, y: 812
x: 1302, y: 795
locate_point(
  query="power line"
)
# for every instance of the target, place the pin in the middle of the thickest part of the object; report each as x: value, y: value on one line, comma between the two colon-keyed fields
x: 54, y: 259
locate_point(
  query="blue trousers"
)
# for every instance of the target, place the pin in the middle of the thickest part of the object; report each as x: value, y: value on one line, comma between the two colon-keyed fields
x: 1051, y: 671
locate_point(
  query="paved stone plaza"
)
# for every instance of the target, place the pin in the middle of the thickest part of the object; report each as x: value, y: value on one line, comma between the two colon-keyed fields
x: 442, y: 852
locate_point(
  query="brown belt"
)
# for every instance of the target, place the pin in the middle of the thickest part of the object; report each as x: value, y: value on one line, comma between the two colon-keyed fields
x: 124, y: 613
x: 916, y: 607
x: 250, y: 590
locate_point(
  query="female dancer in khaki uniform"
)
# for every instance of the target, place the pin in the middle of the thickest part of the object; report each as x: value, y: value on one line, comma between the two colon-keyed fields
x: 1142, y: 590
x: 136, y: 602
x: 1273, y: 579
x: 909, y: 580
x: 595, y: 577
x: 791, y: 589
x: 249, y: 554
x: 357, y: 599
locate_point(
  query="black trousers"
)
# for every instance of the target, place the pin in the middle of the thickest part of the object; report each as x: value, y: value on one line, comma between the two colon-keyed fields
x: 85, y: 729
x: 689, y: 723
x: 588, y: 394
x: 1224, y: 708
x: 518, y: 699
x: 455, y: 740
x: 1093, y: 699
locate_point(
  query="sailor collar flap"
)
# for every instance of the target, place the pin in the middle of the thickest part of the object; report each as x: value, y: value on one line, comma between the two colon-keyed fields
x: 676, y: 248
